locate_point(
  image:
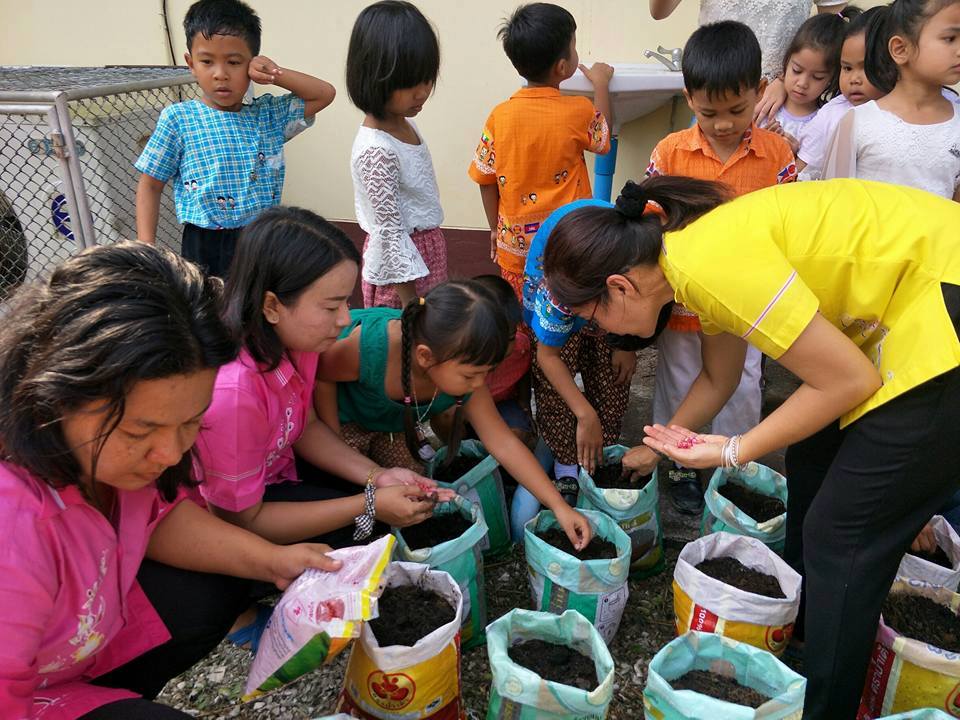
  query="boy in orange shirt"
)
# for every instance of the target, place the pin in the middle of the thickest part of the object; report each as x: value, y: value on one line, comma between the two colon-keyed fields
x: 529, y: 161
x: 721, y: 74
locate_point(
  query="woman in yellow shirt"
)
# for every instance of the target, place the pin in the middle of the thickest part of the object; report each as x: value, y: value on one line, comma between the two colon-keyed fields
x: 854, y: 287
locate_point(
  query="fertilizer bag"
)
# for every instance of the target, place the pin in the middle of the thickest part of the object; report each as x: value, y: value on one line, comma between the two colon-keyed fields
x: 721, y: 515
x: 916, y: 568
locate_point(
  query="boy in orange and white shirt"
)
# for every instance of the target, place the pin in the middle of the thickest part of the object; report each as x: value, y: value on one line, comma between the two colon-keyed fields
x: 529, y: 161
x: 721, y: 74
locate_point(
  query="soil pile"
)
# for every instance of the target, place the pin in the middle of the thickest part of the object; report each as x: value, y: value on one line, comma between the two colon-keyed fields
x: 435, y: 530
x: 459, y: 467
x: 920, y: 618
x: 611, y: 477
x: 733, y: 572
x: 557, y: 663
x: 938, y: 557
x: 409, y: 613
x: 598, y: 549
x: 719, y: 687
x: 760, y: 507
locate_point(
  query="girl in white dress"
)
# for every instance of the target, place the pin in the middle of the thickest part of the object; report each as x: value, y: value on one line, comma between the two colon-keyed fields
x: 392, y: 65
x: 911, y: 136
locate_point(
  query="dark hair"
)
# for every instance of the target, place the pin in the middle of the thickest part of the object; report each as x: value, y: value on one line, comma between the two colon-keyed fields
x: 223, y: 17
x: 392, y: 47
x: 106, y: 319
x: 825, y: 33
x: 458, y: 320
x: 858, y: 23
x: 722, y: 57
x: 901, y: 17
x: 283, y: 251
x: 592, y: 243
x: 536, y: 37
x: 504, y: 295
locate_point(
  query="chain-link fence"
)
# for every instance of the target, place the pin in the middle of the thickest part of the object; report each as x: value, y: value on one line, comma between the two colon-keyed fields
x: 68, y: 141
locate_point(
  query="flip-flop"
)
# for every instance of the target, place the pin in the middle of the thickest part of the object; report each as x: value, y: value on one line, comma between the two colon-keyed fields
x: 251, y: 634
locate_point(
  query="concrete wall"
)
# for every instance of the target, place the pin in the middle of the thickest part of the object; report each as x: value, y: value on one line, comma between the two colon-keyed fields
x: 312, y: 36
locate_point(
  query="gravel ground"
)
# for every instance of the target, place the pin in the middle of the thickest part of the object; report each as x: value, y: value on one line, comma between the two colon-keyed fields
x: 212, y: 688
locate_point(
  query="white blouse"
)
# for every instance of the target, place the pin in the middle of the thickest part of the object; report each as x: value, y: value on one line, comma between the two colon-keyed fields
x: 395, y: 194
x: 774, y: 22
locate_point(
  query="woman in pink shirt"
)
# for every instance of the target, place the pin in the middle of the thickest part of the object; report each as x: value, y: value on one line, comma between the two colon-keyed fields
x: 265, y: 455
x: 111, y: 581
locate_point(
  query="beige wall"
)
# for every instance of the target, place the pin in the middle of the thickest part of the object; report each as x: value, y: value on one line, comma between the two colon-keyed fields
x: 312, y: 36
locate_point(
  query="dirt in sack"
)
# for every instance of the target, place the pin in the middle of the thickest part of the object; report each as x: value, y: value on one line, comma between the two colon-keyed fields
x: 556, y: 663
x: 435, y: 530
x: 408, y: 613
x: 758, y: 506
x: 938, y: 557
x: 611, y: 477
x: 920, y: 618
x: 598, y: 549
x: 720, y: 687
x: 457, y: 468
x: 733, y: 572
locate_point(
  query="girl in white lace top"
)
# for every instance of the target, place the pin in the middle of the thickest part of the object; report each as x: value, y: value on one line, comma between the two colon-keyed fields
x: 911, y: 136
x: 392, y: 65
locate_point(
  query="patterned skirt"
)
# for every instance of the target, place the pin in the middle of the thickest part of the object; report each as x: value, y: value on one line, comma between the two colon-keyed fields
x: 432, y: 247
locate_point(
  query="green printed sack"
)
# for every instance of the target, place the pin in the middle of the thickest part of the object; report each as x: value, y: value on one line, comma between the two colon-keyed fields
x: 751, y: 666
x: 721, y: 515
x: 597, y: 589
x: 460, y: 558
x: 484, y: 487
x: 520, y: 694
x: 637, y: 512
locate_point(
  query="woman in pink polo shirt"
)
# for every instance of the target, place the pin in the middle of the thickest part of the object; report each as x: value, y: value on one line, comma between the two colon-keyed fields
x: 269, y: 464
x: 111, y: 581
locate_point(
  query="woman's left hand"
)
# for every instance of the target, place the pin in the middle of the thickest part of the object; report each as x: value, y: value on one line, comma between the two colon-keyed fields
x: 685, y: 447
x: 575, y: 525
x: 403, y: 476
x: 289, y: 561
x: 624, y: 364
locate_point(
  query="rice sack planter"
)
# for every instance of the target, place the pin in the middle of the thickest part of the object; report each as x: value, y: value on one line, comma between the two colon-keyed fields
x: 751, y: 502
x: 560, y: 580
x: 699, y: 676
x: 916, y: 656
x: 635, y: 507
x: 741, y: 590
x: 407, y: 660
x: 547, y: 666
x: 319, y: 614
x: 450, y: 542
x: 939, y: 568
x: 924, y: 714
x: 475, y: 475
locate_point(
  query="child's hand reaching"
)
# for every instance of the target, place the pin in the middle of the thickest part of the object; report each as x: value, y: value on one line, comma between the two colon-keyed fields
x: 598, y: 74
x: 575, y: 525
x: 263, y: 70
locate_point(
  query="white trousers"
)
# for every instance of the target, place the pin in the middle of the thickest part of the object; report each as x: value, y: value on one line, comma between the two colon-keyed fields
x: 679, y: 363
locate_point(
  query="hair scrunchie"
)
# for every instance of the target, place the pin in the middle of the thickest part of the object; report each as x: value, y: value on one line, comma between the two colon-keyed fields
x: 632, y: 201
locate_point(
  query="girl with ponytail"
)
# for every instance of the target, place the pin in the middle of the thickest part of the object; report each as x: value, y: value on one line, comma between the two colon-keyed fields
x: 395, y: 370
x: 854, y: 287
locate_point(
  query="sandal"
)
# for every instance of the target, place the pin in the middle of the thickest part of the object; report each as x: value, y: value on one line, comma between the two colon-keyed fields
x: 251, y: 634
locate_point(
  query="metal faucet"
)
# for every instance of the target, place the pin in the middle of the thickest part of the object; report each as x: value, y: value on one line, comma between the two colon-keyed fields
x: 672, y: 63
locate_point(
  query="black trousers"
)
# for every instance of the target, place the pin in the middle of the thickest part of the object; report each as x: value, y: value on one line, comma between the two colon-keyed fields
x: 856, y: 500
x: 198, y: 610
x: 212, y: 250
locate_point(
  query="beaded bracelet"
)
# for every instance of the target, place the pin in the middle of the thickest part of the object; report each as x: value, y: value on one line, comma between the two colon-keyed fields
x: 730, y: 453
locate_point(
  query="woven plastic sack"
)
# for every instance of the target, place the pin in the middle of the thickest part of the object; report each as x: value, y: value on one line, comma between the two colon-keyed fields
x: 482, y: 486
x: 518, y: 693
x: 915, y: 568
x: 906, y: 674
x: 751, y: 666
x: 597, y: 589
x: 461, y: 558
x: 422, y: 681
x: 707, y: 605
x: 721, y: 515
x: 637, y: 512
x: 318, y: 615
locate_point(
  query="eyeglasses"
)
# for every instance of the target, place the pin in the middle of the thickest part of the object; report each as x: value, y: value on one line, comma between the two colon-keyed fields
x: 592, y: 328
x: 632, y: 343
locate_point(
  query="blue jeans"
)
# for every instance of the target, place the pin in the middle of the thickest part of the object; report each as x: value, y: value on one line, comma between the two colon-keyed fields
x: 525, y: 505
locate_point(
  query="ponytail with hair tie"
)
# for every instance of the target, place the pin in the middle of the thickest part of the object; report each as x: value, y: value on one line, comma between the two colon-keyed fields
x: 632, y: 201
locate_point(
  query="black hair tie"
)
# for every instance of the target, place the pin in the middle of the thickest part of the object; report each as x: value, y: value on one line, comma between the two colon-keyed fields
x: 632, y: 201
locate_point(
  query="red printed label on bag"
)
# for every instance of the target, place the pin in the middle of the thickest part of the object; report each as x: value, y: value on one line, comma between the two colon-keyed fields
x: 703, y: 620
x: 878, y: 675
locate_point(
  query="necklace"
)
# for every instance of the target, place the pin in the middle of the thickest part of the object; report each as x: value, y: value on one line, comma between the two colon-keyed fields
x: 426, y: 413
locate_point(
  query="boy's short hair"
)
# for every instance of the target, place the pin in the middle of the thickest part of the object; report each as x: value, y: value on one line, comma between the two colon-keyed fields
x: 392, y: 47
x: 223, y: 17
x: 722, y: 57
x: 535, y: 37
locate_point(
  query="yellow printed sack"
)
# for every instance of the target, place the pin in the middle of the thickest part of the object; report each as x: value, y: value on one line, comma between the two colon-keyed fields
x: 422, y: 681
x: 704, y: 604
x: 907, y: 674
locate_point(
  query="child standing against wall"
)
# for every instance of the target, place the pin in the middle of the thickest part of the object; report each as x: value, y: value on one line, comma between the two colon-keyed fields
x: 392, y: 66
x: 224, y: 155
x: 530, y: 159
x: 721, y: 75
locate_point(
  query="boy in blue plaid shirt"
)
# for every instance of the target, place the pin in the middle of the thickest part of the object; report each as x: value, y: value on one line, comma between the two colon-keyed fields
x: 224, y: 156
